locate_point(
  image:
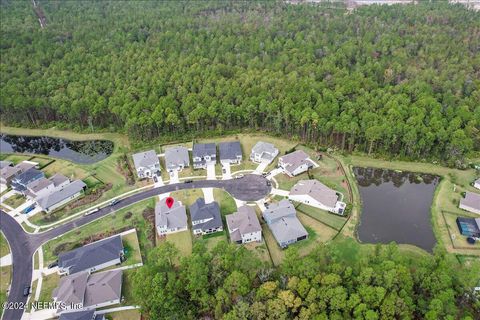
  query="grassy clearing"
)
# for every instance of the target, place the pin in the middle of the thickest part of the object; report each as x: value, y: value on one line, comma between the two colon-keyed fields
x: 132, y: 248
x: 212, y: 241
x: 225, y: 201
x: 109, y: 223
x: 5, y: 278
x: 260, y: 250
x: 4, y: 247
x: 187, y: 196
x: 124, y: 315
x: 49, y: 283
x: 182, y: 240
x: 15, y: 201
x: 332, y: 220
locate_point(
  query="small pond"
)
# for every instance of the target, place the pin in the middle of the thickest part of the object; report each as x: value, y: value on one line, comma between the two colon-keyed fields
x: 83, y: 152
x: 396, y: 207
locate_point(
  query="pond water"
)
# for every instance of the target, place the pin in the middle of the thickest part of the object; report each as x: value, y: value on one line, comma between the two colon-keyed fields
x: 83, y: 152
x: 396, y: 207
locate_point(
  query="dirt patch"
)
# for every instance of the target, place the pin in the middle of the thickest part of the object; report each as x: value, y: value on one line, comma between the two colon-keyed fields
x: 93, y: 196
x: 149, y: 216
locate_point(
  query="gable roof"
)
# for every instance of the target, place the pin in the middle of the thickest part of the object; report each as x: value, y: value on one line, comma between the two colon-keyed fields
x: 200, y: 210
x: 91, y: 255
x: 229, y: 150
x: 471, y: 199
x: 39, y: 184
x: 62, y: 194
x: 316, y: 190
x: 71, y: 289
x: 261, y: 147
x: 204, y: 149
x: 58, y: 179
x: 4, y: 164
x: 295, y: 160
x: 78, y: 315
x: 282, y: 219
x: 103, y: 287
x: 176, y: 156
x: 28, y: 175
x: 174, y: 217
x: 8, y: 172
x: 145, y: 159
x: 244, y: 220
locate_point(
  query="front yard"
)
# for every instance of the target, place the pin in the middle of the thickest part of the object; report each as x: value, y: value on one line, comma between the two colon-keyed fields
x: 15, y: 201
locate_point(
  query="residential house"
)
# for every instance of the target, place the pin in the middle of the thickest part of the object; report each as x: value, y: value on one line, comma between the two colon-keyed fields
x: 244, y: 226
x: 4, y: 164
x: 81, y: 315
x: 282, y: 220
x: 20, y: 182
x: 205, y: 217
x: 8, y: 173
x: 469, y: 227
x: 170, y: 220
x: 263, y: 152
x: 61, y: 196
x: 471, y: 202
x: 91, y: 291
x: 146, y: 164
x: 203, y: 154
x: 476, y: 184
x: 176, y: 158
x: 230, y: 152
x: 92, y: 257
x: 43, y: 187
x: 316, y: 194
x: 295, y: 163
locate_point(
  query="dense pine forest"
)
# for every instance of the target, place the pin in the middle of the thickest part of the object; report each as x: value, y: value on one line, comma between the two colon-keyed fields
x: 398, y: 80
x: 333, y: 282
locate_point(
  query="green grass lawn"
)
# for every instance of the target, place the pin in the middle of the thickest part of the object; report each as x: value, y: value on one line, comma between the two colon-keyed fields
x: 225, y: 201
x: 15, y: 158
x: 260, y: 250
x: 132, y: 248
x: 212, y: 240
x: 4, y: 247
x: 109, y: 223
x: 5, y: 278
x: 332, y: 220
x: 127, y: 288
x: 49, y: 283
x: 42, y: 161
x: 187, y: 196
x: 15, y: 201
x: 182, y: 240
x: 124, y: 315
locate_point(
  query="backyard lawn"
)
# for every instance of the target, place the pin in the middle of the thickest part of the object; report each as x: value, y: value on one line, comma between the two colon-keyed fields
x: 124, y: 315
x: 330, y: 219
x: 132, y: 248
x: 182, y: 240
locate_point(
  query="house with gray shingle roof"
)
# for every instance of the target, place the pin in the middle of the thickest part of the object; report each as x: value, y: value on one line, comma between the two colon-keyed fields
x: 92, y: 257
x: 316, y: 194
x: 295, y: 163
x: 471, y: 202
x: 205, y: 217
x: 146, y: 164
x: 203, y: 154
x: 44, y: 186
x: 81, y: 315
x: 244, y: 226
x: 230, y: 152
x: 176, y: 158
x: 90, y: 291
x: 263, y: 152
x: 8, y: 173
x: 20, y: 182
x: 62, y: 196
x: 282, y: 220
x: 4, y: 164
x: 170, y: 220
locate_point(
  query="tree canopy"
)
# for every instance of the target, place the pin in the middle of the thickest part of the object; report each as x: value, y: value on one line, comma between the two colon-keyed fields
x: 400, y: 80
x: 332, y: 282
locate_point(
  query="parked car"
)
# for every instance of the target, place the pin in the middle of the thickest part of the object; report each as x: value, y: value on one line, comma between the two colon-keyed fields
x: 269, y: 183
x: 188, y: 181
x: 26, y: 290
x: 224, y: 170
x: 264, y: 174
x: 114, y: 202
x: 155, y: 179
x: 29, y: 209
x: 53, y: 265
x: 239, y: 176
x: 92, y: 211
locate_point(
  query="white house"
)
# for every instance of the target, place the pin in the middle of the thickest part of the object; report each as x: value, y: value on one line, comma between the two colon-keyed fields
x: 295, y: 163
x: 263, y: 152
x: 471, y: 202
x: 204, y: 154
x: 43, y: 186
x: 230, y: 152
x: 146, y: 164
x: 316, y: 194
x: 244, y: 226
x: 170, y: 220
x: 61, y: 196
x: 205, y: 217
x: 476, y: 184
x: 176, y: 158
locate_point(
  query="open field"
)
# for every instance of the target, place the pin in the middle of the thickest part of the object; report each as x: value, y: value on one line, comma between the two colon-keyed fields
x: 110, y: 224
x: 4, y: 248
x: 182, y: 240
x: 132, y: 248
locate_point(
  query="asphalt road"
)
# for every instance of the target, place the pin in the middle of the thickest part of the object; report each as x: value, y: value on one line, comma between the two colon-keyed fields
x: 23, y: 245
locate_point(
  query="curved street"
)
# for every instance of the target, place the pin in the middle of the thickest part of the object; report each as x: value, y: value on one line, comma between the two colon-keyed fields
x: 23, y: 245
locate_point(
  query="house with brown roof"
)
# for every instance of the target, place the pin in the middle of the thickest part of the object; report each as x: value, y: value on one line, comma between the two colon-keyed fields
x: 295, y: 163
x: 471, y: 202
x: 316, y: 194
x: 244, y: 226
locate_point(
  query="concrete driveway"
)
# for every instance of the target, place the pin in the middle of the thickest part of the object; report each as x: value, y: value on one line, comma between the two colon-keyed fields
x: 211, y: 171
x: 261, y: 168
x: 228, y: 173
x: 174, y: 177
x: 208, y: 195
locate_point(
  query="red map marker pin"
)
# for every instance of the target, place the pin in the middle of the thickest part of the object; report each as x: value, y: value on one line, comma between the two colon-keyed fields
x: 169, y: 201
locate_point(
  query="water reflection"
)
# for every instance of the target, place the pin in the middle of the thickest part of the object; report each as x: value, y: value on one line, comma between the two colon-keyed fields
x: 396, y: 206
x: 83, y: 152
